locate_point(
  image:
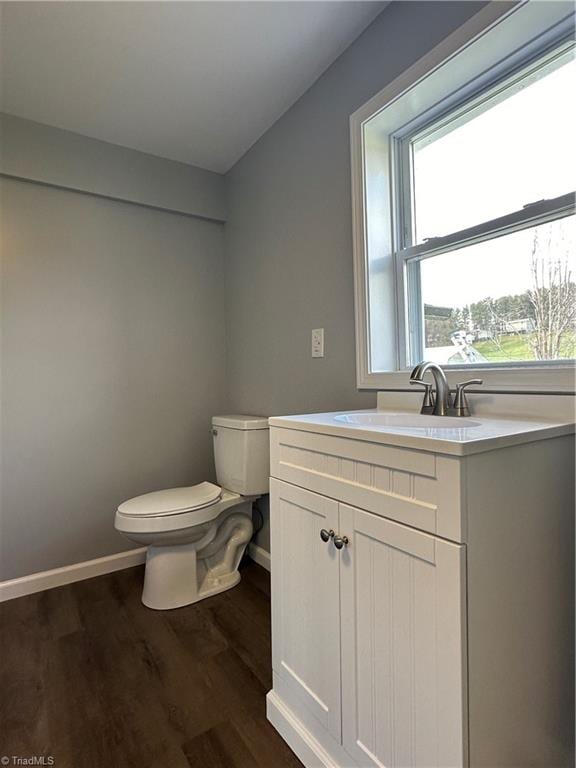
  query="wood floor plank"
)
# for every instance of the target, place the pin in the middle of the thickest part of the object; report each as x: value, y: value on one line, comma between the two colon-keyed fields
x: 238, y: 689
x: 191, y: 702
x: 24, y: 653
x: 220, y: 747
x: 196, y: 631
x: 93, y: 678
x: 257, y: 576
x: 59, y: 610
x: 80, y: 728
x: 130, y: 683
x: 243, y: 617
x: 265, y: 743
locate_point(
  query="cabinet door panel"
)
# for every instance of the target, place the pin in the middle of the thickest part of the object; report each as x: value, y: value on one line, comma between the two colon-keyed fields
x: 403, y: 664
x: 305, y: 600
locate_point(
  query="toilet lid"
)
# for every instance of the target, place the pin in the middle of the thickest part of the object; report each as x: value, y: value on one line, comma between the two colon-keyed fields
x: 171, y: 501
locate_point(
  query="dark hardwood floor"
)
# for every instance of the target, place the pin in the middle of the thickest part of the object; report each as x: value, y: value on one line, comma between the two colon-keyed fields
x: 90, y: 676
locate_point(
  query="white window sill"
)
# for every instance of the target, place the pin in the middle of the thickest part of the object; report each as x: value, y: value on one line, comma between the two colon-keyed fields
x: 545, y: 379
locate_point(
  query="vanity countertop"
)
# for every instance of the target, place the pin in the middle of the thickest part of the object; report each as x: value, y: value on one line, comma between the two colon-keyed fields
x: 438, y: 434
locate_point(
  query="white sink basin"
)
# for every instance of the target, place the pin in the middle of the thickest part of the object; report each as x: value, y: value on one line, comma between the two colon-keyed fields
x: 454, y: 435
x: 408, y: 420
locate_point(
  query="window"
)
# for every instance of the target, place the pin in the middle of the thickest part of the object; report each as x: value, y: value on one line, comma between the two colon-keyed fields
x: 467, y: 226
x: 488, y: 251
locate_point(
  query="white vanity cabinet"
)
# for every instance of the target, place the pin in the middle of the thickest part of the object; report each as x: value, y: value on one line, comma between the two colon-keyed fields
x: 306, y: 618
x: 374, y: 659
x: 402, y: 639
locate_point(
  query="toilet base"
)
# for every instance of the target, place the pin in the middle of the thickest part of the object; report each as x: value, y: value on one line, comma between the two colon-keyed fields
x: 182, y: 574
x: 221, y: 585
x: 165, y: 588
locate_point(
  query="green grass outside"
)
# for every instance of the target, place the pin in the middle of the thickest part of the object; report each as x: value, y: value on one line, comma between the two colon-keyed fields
x: 516, y: 347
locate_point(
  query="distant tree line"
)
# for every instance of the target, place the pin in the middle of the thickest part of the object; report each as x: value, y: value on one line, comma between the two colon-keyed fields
x: 550, y: 310
x: 545, y: 313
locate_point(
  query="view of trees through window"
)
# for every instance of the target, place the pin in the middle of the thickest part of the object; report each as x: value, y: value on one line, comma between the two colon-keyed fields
x: 537, y: 321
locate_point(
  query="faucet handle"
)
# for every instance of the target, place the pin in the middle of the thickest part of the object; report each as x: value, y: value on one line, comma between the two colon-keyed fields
x: 428, y: 402
x: 468, y: 383
x: 460, y: 406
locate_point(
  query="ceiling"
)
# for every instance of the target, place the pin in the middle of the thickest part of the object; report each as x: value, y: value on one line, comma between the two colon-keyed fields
x: 197, y: 82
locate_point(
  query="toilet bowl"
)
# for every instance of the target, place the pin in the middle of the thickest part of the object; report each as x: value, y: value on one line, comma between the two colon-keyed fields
x: 196, y: 535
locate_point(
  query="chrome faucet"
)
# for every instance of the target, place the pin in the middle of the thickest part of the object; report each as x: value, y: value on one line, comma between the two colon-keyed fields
x: 439, y: 403
x: 442, y: 401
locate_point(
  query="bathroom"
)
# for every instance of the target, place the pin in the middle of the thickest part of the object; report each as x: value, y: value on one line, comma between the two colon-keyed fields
x: 240, y: 525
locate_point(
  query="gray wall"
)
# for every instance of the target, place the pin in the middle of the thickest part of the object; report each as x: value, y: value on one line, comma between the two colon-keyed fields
x: 289, y: 233
x: 112, y: 329
x: 113, y: 359
x: 52, y: 156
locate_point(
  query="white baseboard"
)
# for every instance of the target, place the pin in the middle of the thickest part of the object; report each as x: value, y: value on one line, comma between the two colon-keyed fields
x: 38, y: 582
x: 259, y: 555
x: 58, y: 577
x: 308, y: 750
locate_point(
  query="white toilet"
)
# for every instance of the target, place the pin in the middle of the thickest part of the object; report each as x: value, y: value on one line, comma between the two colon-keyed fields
x: 196, y: 536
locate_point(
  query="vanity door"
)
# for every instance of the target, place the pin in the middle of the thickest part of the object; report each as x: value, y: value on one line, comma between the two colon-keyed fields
x: 306, y: 600
x: 403, y: 645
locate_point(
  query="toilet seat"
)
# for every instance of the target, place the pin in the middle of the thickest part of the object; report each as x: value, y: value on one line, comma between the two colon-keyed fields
x: 172, y: 501
x: 176, y: 520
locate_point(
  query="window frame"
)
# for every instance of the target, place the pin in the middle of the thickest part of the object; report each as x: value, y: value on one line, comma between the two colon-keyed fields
x: 495, y: 48
x: 409, y: 255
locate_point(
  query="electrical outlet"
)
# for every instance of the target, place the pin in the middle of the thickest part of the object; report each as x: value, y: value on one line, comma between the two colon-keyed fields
x: 318, y: 342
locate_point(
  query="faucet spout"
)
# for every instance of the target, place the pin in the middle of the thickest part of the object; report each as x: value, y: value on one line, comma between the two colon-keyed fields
x: 442, y: 403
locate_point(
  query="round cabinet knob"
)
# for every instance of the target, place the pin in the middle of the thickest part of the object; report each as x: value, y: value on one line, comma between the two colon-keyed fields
x: 326, y: 535
x: 340, y: 541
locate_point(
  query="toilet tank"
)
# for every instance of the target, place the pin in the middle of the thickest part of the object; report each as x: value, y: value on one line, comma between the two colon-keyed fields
x: 242, y: 453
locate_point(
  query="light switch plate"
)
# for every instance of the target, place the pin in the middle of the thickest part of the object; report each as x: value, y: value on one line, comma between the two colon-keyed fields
x: 318, y: 342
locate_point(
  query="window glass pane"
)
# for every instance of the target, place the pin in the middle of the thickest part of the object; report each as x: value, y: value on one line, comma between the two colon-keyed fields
x: 517, y: 151
x: 509, y: 299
